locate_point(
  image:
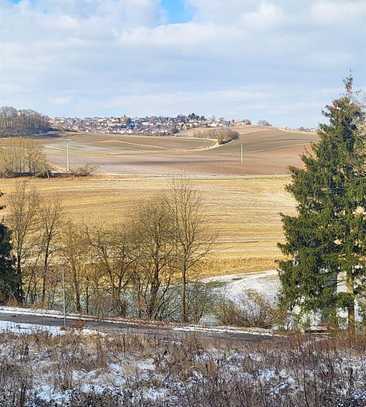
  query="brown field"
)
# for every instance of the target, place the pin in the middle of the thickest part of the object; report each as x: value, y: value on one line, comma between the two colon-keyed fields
x: 243, y: 203
x: 268, y: 151
x: 244, y: 211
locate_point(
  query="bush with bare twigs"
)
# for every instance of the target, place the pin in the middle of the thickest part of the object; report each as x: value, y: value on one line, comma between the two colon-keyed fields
x: 223, y: 135
x: 84, y: 171
x: 252, y: 310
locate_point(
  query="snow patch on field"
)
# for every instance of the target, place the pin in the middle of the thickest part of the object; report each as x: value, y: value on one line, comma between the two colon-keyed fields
x: 266, y: 283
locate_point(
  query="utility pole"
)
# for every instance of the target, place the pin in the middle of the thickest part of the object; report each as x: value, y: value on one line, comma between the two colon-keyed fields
x: 67, y: 158
x: 242, y: 154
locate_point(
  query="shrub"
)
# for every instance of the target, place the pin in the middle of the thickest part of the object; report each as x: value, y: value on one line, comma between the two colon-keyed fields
x: 84, y: 171
x: 252, y: 310
x: 222, y: 135
x: 200, y: 300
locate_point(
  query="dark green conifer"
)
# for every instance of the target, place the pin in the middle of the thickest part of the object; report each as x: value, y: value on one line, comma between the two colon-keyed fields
x: 326, y: 241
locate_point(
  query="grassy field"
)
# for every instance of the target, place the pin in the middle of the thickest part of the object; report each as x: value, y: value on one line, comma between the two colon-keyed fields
x: 243, y: 210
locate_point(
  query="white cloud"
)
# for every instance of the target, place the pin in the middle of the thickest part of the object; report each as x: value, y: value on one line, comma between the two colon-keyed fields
x: 60, y: 100
x: 126, y: 11
x: 266, y: 16
x: 217, y: 10
x: 338, y: 11
x: 249, y: 13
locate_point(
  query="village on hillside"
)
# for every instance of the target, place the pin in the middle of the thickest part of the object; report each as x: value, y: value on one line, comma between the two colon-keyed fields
x: 152, y: 125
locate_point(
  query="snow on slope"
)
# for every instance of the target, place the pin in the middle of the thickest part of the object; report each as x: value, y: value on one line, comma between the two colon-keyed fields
x: 235, y: 285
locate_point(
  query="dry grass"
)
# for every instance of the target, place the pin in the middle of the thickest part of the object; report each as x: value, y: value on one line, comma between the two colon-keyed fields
x: 130, y: 370
x: 244, y: 211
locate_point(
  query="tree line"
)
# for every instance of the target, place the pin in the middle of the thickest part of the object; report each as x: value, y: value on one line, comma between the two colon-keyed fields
x: 141, y: 268
x: 15, y: 122
x: 22, y: 156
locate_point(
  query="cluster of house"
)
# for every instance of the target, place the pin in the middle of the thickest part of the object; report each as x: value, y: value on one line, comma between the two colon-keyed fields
x: 153, y: 125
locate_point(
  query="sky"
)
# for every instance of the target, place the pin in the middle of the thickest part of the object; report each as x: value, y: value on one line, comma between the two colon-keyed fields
x: 277, y: 60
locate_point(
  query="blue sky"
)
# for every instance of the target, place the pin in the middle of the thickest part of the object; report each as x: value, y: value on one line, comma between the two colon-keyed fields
x: 277, y: 60
x: 177, y: 10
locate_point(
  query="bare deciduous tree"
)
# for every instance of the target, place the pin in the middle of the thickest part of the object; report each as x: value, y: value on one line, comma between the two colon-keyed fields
x: 112, y: 255
x: 20, y: 156
x: 154, y: 237
x: 50, y: 221
x: 192, y: 237
x: 74, y: 252
x: 22, y: 206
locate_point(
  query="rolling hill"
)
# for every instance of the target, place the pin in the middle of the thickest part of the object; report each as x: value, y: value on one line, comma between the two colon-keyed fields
x: 267, y: 151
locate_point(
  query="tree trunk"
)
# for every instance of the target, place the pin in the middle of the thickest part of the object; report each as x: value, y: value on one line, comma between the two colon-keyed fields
x: 77, y: 293
x: 351, y: 307
x: 351, y: 318
x: 44, y: 278
x: 19, y: 295
x: 154, y: 289
x: 87, y: 298
x: 184, y: 294
x: 77, y: 301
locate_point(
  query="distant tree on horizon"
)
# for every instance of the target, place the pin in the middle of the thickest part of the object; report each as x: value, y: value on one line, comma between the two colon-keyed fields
x: 326, y: 241
x: 264, y: 123
x: 22, y: 122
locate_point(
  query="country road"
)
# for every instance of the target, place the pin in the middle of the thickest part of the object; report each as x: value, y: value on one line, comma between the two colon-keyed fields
x: 164, y: 331
x: 234, y: 286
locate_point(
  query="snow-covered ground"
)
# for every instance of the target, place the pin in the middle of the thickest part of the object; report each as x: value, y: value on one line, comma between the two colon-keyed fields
x: 20, y: 328
x: 134, y: 370
x: 224, y: 329
x: 235, y: 285
x: 29, y: 329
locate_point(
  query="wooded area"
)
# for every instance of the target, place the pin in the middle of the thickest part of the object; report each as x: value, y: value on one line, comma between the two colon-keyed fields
x: 15, y: 122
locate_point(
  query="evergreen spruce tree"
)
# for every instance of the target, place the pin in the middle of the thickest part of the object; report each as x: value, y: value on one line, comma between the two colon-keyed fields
x: 326, y: 241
